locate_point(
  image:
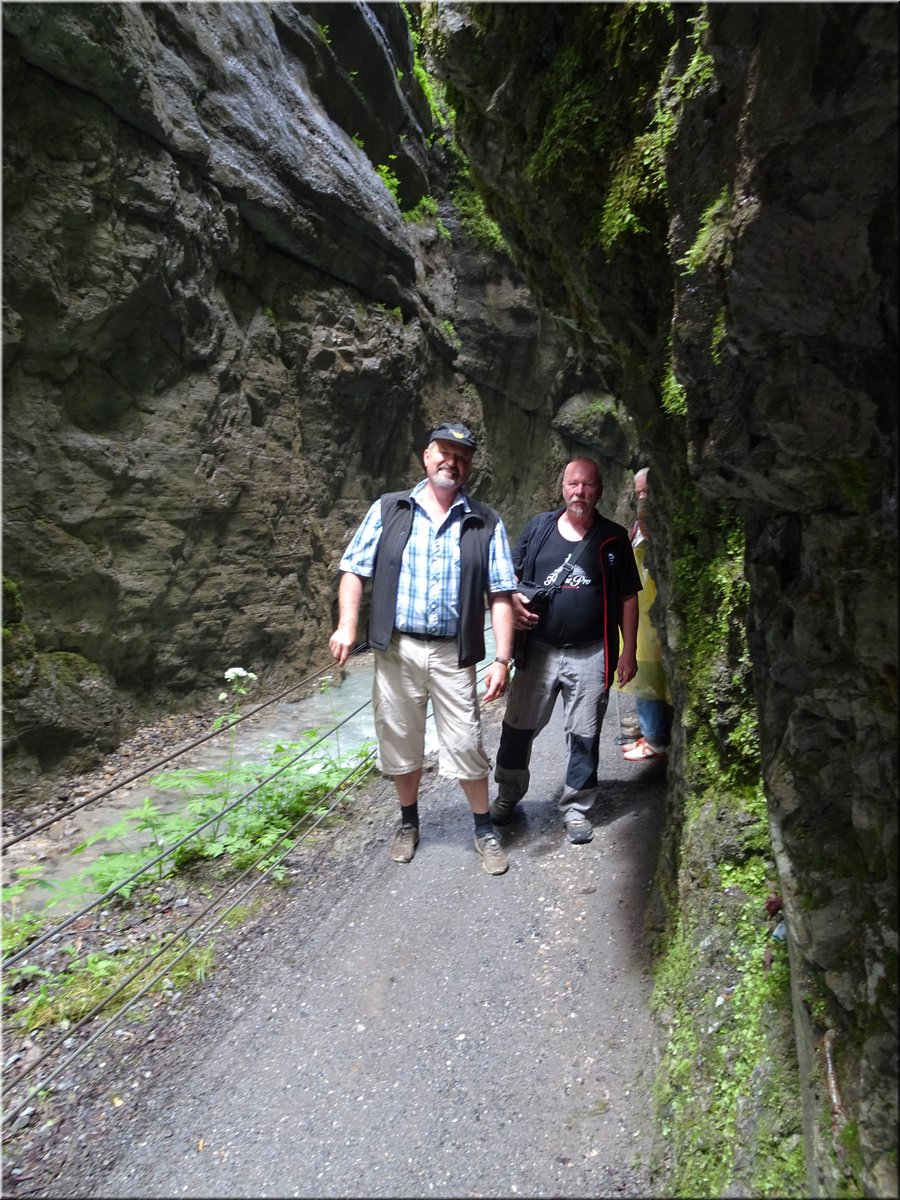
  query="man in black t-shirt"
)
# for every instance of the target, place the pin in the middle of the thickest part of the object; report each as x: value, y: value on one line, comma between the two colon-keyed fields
x: 571, y: 646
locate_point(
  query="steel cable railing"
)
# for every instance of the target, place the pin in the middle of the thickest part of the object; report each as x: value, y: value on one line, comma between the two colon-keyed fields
x: 198, y: 829
x: 338, y: 793
x: 154, y: 766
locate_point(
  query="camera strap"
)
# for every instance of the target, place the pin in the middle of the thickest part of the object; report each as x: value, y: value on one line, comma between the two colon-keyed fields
x: 589, y: 538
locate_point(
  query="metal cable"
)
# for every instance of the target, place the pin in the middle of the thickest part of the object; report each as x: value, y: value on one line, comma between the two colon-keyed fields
x: 114, y: 787
x: 142, y: 870
x: 336, y: 795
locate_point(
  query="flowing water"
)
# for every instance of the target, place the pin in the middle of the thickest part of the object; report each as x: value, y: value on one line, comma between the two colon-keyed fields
x: 336, y: 719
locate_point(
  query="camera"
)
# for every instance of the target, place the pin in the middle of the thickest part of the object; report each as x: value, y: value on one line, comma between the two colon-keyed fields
x: 536, y: 596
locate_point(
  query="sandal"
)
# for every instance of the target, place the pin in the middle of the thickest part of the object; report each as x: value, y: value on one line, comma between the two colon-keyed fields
x: 642, y: 750
x: 633, y: 744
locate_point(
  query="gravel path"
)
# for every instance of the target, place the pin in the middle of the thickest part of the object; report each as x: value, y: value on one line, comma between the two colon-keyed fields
x: 418, y: 1030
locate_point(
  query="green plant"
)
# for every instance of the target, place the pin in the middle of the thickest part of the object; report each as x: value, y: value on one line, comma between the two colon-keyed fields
x: 285, y: 788
x: 240, y: 681
x: 425, y: 210
x: 63, y: 997
x: 20, y: 926
x: 432, y: 89
x: 389, y: 178
x: 253, y: 831
x: 450, y: 333
x: 673, y: 396
x: 473, y: 215
x: 710, y: 242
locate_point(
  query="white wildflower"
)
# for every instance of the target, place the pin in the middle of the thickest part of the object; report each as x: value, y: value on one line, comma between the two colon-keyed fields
x: 223, y: 695
x: 235, y: 673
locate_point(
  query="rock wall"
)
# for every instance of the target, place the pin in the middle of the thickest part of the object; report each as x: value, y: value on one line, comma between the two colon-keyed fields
x: 710, y: 191
x: 224, y: 336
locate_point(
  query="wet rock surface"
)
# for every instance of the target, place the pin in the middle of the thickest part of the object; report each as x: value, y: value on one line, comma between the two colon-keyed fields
x: 224, y: 337
x: 386, y: 1030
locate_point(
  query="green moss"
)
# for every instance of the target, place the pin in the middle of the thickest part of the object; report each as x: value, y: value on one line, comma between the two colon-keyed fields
x: 638, y: 178
x: 727, y: 1052
x: 587, y: 419
x: 18, y: 645
x: 853, y: 480
x: 712, y: 236
x: 449, y: 331
x: 728, y: 1095
x: 672, y: 395
x: 612, y: 142
x: 13, y: 608
x: 473, y: 216
x: 596, y: 143
x: 712, y: 596
x: 432, y: 89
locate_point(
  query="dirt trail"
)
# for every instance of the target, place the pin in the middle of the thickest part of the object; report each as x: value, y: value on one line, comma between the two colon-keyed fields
x: 419, y: 1030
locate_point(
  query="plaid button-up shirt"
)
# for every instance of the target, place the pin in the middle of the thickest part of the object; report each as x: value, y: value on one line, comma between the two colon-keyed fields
x: 428, y: 590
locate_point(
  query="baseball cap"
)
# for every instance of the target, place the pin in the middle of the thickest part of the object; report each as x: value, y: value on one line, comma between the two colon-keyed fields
x: 450, y: 432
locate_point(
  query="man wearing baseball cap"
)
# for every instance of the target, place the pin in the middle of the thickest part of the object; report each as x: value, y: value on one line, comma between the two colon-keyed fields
x: 432, y: 553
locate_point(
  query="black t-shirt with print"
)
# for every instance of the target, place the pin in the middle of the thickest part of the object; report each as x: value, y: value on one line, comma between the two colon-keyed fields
x: 574, y: 614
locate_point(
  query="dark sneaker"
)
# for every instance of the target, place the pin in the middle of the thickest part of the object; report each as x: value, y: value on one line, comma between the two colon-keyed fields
x: 493, y: 859
x: 578, y: 827
x: 403, y: 847
x: 502, y: 811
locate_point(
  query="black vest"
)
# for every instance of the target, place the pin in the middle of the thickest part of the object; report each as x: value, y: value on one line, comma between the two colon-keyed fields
x: 474, y: 554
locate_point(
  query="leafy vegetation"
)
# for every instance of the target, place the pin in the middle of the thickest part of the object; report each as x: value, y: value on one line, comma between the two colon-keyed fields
x: 711, y: 237
x: 388, y: 177
x: 727, y: 1093
x: 432, y: 89
x: 672, y: 395
x: 100, y: 982
x: 473, y: 216
x: 242, y: 816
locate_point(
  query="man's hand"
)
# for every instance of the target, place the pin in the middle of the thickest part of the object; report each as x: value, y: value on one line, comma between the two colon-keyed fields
x: 627, y: 668
x: 523, y: 617
x: 496, y: 679
x: 350, y: 593
x: 340, y: 645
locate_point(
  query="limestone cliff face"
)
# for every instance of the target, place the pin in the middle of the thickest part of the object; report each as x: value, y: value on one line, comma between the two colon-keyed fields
x: 711, y: 192
x: 223, y: 339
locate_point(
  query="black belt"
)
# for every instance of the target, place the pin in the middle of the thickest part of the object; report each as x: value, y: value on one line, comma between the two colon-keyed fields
x: 574, y: 645
x: 427, y: 637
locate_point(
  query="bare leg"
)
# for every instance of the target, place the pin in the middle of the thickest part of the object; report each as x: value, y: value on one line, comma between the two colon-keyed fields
x: 407, y: 787
x: 477, y: 792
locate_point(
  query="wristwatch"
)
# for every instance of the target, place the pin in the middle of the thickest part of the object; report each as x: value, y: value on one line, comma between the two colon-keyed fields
x: 507, y: 662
